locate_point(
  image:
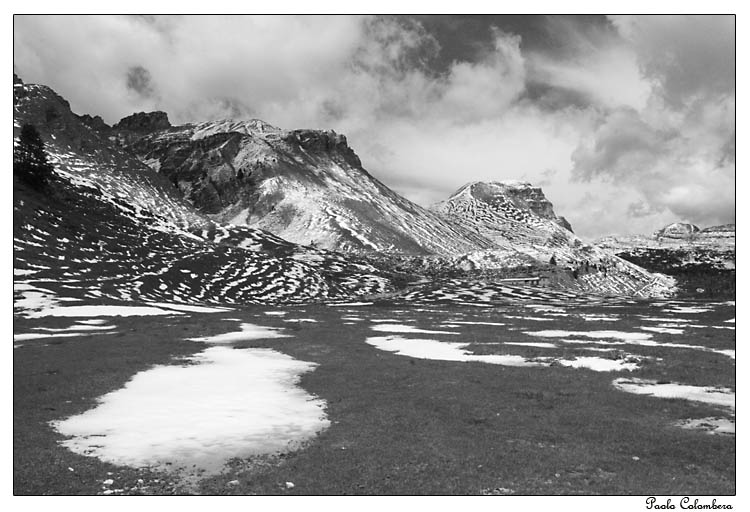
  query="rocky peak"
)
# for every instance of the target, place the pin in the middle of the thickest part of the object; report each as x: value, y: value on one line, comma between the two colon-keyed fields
x: 144, y: 122
x: 323, y: 141
x: 96, y: 123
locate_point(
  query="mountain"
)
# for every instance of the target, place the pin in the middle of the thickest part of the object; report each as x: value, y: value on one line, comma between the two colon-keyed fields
x: 309, y: 187
x: 113, y: 229
x: 699, y: 244
x: 518, y: 218
x: 305, y: 186
x: 702, y: 260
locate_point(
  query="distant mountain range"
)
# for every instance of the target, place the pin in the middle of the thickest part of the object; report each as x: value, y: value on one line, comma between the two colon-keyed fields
x: 703, y: 261
x: 686, y: 245
x: 242, y: 211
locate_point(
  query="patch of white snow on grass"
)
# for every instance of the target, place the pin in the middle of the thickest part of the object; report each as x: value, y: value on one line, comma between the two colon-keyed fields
x: 540, y: 344
x: 102, y: 310
x: 599, y: 318
x: 190, y: 308
x: 248, y: 332
x: 475, y: 323
x: 710, y: 425
x: 443, y: 351
x: 710, y: 395
x: 405, y: 329
x: 625, y: 336
x: 665, y: 329
x: 687, y: 309
x: 600, y: 364
x: 232, y: 403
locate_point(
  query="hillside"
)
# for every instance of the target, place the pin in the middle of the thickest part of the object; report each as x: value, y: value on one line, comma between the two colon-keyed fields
x: 113, y: 229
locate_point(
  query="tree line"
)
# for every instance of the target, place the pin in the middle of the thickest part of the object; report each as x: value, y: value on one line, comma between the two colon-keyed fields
x: 30, y: 162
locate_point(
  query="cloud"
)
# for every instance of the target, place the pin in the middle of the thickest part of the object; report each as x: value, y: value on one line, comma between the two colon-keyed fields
x: 686, y: 55
x: 677, y: 150
x: 628, y: 123
x: 138, y: 80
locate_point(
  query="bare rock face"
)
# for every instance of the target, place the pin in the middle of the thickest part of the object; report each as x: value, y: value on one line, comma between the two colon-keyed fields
x: 328, y: 142
x: 96, y: 123
x: 144, y: 122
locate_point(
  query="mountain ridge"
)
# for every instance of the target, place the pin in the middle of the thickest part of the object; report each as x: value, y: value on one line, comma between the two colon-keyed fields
x: 145, y: 178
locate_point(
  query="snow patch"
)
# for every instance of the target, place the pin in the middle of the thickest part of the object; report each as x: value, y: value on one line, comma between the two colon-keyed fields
x: 232, y: 403
x: 405, y: 329
x: 442, y: 351
x: 247, y: 332
x: 711, y: 395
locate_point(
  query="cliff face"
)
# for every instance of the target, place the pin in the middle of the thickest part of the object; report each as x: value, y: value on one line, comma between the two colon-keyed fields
x: 144, y: 122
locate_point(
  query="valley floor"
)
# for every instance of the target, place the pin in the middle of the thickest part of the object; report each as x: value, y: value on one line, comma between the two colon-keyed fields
x: 629, y: 397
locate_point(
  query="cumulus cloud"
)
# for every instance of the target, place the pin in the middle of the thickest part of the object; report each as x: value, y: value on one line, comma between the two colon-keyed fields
x: 677, y: 149
x: 644, y: 105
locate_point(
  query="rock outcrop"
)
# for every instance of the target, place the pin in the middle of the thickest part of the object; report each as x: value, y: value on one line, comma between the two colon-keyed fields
x: 143, y: 122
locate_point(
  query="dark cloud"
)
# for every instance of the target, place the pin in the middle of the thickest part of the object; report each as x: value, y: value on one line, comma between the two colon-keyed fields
x: 138, y: 80
x: 551, y: 97
x: 624, y: 148
x: 688, y: 56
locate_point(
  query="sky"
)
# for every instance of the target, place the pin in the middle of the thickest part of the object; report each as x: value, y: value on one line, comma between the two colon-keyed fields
x: 626, y: 122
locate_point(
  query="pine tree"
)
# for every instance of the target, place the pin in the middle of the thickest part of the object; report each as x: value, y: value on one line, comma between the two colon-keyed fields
x: 30, y: 159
